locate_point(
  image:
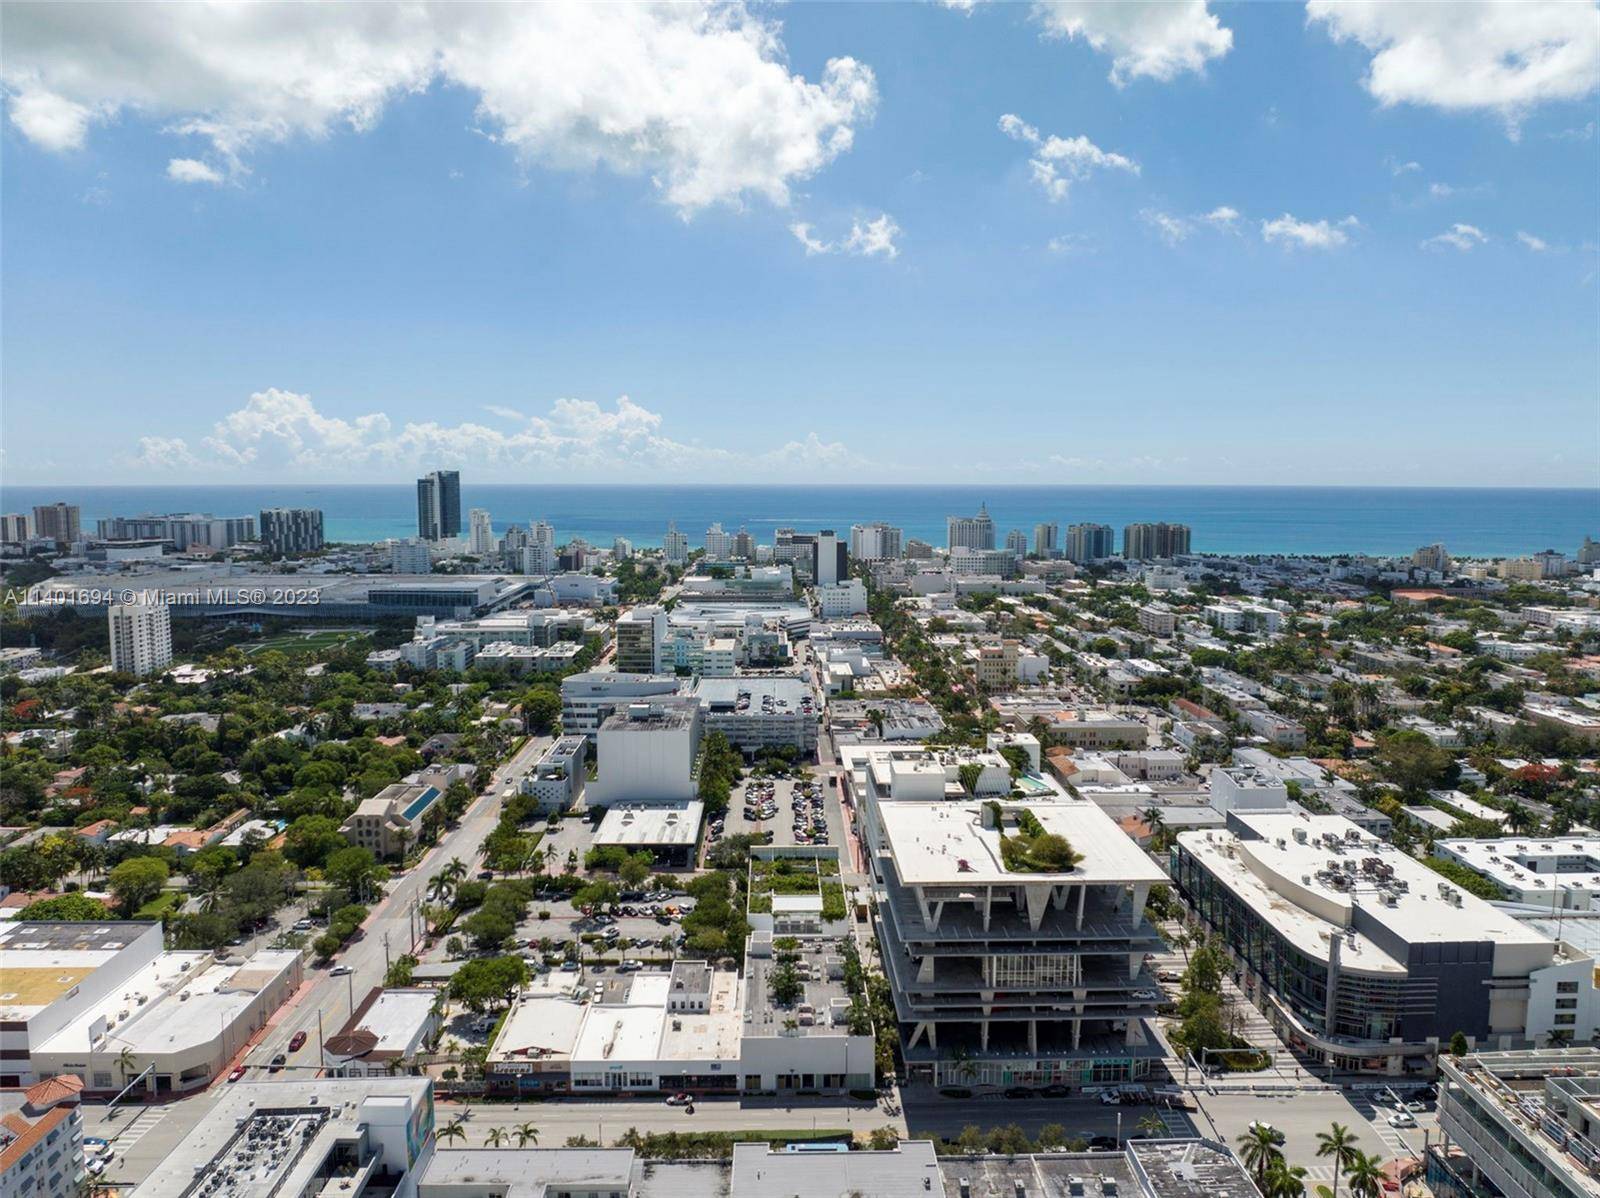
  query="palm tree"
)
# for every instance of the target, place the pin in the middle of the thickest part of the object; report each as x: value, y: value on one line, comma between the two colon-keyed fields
x: 1286, y: 1180
x: 441, y: 888
x: 455, y: 869
x: 1366, y: 1175
x: 1259, y: 1150
x: 453, y: 1130
x: 496, y: 1137
x: 127, y: 1065
x: 527, y: 1133
x: 1519, y: 819
x: 1339, y: 1143
x: 1152, y: 1126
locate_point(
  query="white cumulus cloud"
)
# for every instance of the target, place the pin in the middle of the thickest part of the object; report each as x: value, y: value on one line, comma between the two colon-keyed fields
x: 1292, y: 233
x: 1504, y: 56
x: 1457, y: 236
x: 1057, y: 162
x: 866, y: 239
x: 1537, y: 244
x: 697, y: 97
x: 192, y: 170
x: 278, y: 433
x: 1147, y: 39
x: 1175, y: 229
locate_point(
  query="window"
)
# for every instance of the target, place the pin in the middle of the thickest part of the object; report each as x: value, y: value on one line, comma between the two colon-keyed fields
x: 1566, y: 987
x: 1566, y: 1017
x: 1566, y: 1004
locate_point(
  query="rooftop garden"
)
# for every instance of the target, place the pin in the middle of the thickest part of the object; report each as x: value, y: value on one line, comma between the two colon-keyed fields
x: 1031, y: 849
x: 797, y: 875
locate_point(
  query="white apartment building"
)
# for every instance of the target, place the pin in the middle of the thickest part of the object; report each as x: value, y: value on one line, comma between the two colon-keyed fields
x: 970, y: 532
x: 410, y: 555
x: 41, y: 1146
x: 480, y: 533
x: 845, y: 598
x: 557, y: 778
x: 539, y: 555
x: 1158, y: 619
x: 141, y: 637
x: 875, y: 542
x: 1243, y: 617
x: 674, y: 546
x: 719, y: 544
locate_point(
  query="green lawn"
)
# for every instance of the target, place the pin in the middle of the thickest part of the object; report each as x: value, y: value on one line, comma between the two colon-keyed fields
x: 166, y: 901
x: 304, y: 642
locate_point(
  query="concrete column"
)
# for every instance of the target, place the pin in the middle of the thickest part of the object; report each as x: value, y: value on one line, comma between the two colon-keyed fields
x: 1033, y: 1035
x: 1038, y: 899
x: 1083, y: 894
x: 1141, y: 895
x: 1077, y: 1033
x: 988, y: 905
x: 983, y: 1036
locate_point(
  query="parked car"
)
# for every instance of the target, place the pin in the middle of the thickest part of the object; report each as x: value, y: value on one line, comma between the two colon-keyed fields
x: 339, y: 971
x: 1402, y: 1119
x: 278, y: 1062
x: 680, y: 1100
x: 238, y: 1072
x: 296, y: 1041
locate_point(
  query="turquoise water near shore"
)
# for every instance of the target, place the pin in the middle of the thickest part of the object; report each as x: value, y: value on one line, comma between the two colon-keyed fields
x: 1314, y: 520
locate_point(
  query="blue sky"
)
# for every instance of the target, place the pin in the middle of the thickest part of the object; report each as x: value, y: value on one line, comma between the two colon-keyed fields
x: 807, y: 242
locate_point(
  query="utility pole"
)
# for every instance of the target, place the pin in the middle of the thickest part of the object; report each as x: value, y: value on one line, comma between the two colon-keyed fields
x: 386, y: 962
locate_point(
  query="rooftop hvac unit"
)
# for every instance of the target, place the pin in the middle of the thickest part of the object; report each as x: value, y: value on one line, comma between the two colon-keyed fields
x: 966, y: 1187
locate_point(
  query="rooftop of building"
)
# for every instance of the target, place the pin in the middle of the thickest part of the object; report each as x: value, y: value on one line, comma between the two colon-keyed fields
x: 41, y: 962
x: 386, y: 1022
x: 946, y: 843
x: 1550, y: 1093
x: 272, y: 1137
x: 662, y: 714
x: 656, y: 825
x: 909, y: 1171
x: 827, y: 997
x: 1532, y: 863
x: 1306, y: 875
x: 177, y: 1001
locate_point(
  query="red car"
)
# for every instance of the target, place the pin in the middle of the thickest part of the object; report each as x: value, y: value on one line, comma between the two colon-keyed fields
x: 296, y: 1041
x: 236, y: 1074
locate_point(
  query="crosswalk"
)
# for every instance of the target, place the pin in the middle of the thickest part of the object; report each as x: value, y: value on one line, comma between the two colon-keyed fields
x: 141, y: 1126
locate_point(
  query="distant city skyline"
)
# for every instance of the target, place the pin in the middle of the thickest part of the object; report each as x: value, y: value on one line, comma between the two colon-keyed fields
x: 969, y: 242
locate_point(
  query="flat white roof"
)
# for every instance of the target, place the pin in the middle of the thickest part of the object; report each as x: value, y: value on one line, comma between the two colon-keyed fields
x: 396, y: 1016
x: 1532, y: 863
x: 620, y: 1033
x: 546, y: 1026
x: 1287, y: 882
x: 166, y: 1021
x: 945, y: 842
x: 657, y: 825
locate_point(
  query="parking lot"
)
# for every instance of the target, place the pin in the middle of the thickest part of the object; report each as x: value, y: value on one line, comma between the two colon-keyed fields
x: 821, y: 822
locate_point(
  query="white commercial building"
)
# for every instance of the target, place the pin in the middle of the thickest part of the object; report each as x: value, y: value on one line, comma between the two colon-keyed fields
x: 390, y: 1027
x: 641, y: 640
x: 86, y: 998
x: 318, y: 1136
x: 646, y: 753
x: 674, y: 546
x: 141, y: 637
x: 1548, y: 872
x: 588, y: 698
x: 847, y: 598
x: 1366, y: 958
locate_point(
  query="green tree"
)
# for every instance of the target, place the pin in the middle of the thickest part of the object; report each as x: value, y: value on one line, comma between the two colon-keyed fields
x: 1258, y: 1149
x: 138, y: 880
x: 66, y: 908
x: 311, y: 840
x: 1339, y: 1144
x: 1366, y: 1175
x: 1458, y: 1045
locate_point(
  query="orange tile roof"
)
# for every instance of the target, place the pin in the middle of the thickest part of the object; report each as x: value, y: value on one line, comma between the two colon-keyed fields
x: 63, y: 1087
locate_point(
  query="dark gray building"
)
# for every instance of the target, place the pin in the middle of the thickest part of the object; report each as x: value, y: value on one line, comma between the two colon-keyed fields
x: 439, y: 505
x: 287, y: 531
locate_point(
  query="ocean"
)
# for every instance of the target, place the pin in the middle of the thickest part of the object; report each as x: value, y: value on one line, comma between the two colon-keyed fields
x: 1312, y: 520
